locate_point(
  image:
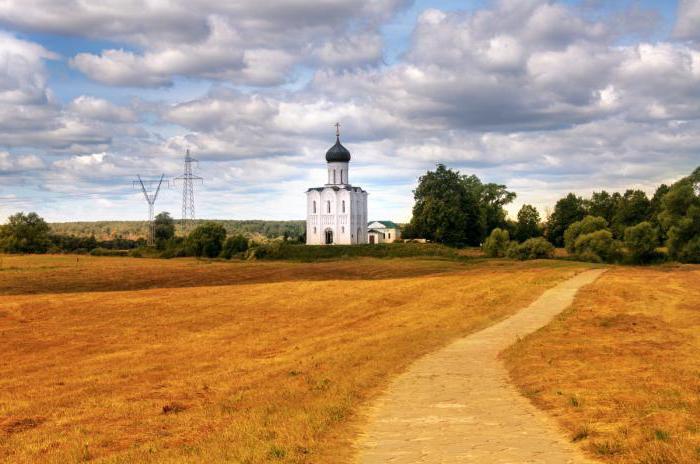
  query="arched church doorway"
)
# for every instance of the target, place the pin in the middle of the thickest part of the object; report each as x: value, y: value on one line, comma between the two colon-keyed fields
x: 329, y: 237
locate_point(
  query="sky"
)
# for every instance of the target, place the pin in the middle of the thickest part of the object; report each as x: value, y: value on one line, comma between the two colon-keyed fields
x: 546, y: 97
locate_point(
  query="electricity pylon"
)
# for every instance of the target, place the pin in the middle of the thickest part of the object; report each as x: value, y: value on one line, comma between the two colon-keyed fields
x: 151, y: 199
x: 188, y: 179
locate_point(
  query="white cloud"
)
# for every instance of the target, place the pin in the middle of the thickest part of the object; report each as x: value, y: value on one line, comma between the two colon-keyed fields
x: 101, y: 110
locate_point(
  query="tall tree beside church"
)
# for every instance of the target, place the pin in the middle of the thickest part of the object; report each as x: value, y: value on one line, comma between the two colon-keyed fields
x: 568, y: 210
x: 528, y: 225
x: 456, y: 209
x: 445, y: 210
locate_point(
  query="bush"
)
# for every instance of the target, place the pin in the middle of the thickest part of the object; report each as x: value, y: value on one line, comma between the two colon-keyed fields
x: 597, y: 247
x: 206, y: 240
x: 532, y: 248
x: 586, y: 225
x: 99, y: 251
x: 496, y: 244
x: 310, y: 253
x: 640, y: 241
x: 234, y: 245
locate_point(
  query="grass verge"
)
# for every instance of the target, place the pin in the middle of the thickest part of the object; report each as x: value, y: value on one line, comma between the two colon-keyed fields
x: 620, y: 369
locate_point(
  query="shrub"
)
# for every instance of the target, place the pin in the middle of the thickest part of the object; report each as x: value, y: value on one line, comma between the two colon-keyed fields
x: 532, y: 248
x: 597, y: 247
x: 640, y: 241
x: 234, y: 245
x: 206, y: 240
x: 496, y: 244
x: 586, y: 225
x: 99, y: 251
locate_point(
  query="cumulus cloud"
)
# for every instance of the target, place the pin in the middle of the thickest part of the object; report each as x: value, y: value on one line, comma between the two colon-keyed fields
x: 688, y: 20
x: 250, y: 42
x: 536, y: 94
x: 10, y: 163
x: 101, y: 110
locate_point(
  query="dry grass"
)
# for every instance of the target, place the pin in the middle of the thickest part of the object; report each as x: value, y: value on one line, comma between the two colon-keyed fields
x: 127, y: 360
x: 621, y: 369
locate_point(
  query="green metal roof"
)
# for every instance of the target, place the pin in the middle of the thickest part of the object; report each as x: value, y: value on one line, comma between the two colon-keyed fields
x: 387, y: 224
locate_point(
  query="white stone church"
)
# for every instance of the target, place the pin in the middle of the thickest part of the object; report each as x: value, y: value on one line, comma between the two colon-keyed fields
x: 337, y: 212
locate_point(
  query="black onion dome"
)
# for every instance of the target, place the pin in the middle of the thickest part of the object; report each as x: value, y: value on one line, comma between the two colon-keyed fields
x: 338, y: 153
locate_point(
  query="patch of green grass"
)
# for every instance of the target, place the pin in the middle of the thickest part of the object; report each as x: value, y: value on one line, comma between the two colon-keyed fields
x: 662, y: 435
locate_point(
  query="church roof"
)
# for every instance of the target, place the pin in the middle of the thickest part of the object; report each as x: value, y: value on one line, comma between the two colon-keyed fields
x: 387, y: 224
x: 337, y: 153
x: 337, y: 188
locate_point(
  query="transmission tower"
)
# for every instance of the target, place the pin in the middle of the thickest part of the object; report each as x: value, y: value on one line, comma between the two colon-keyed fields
x: 151, y: 196
x: 188, y: 179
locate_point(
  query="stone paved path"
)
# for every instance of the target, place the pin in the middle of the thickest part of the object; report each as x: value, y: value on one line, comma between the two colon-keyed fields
x: 458, y: 406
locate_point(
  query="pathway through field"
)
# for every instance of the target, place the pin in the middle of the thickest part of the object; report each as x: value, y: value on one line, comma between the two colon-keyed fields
x: 457, y: 405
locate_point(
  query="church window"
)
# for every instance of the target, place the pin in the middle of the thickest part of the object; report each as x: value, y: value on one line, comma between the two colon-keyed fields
x: 314, y: 231
x: 334, y: 176
x: 314, y: 206
x: 341, y: 176
x: 389, y: 234
x: 343, y: 200
x: 342, y: 229
x: 328, y: 207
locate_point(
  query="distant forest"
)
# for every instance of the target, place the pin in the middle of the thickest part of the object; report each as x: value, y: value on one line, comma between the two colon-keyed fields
x: 105, y: 230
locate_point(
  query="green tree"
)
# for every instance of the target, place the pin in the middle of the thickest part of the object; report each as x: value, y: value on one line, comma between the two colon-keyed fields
x: 634, y: 207
x: 532, y: 248
x: 496, y: 244
x: 528, y: 225
x: 655, y: 210
x: 584, y: 226
x: 599, y: 246
x: 603, y: 204
x: 567, y: 211
x: 234, y: 245
x: 641, y: 241
x: 206, y: 240
x: 25, y: 233
x: 165, y: 229
x: 456, y: 209
x: 445, y: 209
x: 680, y: 218
x: 492, y: 199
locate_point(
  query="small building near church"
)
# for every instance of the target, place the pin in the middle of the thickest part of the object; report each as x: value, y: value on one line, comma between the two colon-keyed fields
x: 337, y: 212
x: 383, y: 232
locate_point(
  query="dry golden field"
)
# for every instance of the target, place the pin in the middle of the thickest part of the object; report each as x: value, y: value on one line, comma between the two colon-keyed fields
x: 621, y: 368
x: 133, y: 360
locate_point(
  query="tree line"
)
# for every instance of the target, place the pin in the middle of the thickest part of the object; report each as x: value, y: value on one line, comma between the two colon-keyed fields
x: 458, y: 210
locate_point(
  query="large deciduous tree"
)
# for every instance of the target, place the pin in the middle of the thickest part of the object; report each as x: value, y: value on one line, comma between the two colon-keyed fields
x: 680, y: 218
x: 25, y: 233
x: 455, y: 209
x: 528, y: 225
x: 634, y: 207
x: 206, y: 240
x: 567, y: 211
x: 165, y: 228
